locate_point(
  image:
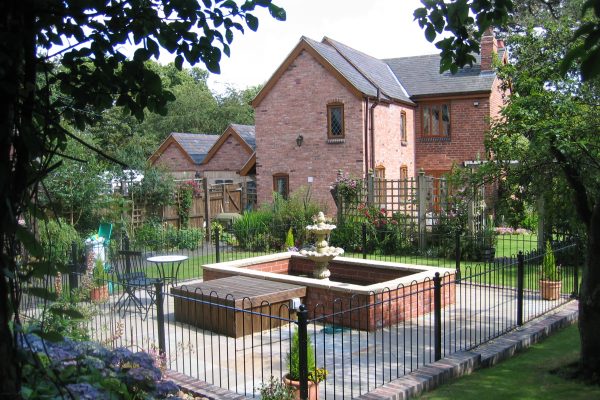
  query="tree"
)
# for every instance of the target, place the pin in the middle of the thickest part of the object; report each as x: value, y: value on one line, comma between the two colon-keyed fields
x: 467, y: 20
x: 550, y: 125
x: 85, y: 38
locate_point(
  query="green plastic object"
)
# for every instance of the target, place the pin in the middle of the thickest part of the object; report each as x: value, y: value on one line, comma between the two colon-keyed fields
x: 105, y: 231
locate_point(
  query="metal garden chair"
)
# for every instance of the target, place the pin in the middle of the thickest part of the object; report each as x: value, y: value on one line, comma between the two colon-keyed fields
x: 138, y: 289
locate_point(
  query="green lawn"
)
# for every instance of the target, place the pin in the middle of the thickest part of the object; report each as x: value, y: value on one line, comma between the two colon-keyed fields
x: 525, y: 376
x: 508, y: 245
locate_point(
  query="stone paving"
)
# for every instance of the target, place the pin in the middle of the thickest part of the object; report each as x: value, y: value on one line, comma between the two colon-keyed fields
x: 358, y: 362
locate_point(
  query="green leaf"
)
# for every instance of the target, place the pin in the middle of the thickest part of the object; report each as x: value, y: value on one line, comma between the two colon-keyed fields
x: 430, y: 33
x: 51, y: 336
x: 67, y: 312
x: 31, y: 244
x: 141, y: 55
x: 179, y: 62
x: 252, y: 22
x: 43, y: 293
x: 277, y: 12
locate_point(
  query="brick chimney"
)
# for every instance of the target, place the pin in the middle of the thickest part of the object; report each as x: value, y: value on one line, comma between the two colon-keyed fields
x: 489, y: 46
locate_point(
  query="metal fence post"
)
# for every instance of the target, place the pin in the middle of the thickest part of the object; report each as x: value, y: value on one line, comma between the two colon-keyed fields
x: 457, y: 254
x: 74, y: 270
x: 520, y: 279
x: 364, y: 240
x: 303, y: 348
x: 437, y: 318
x: 422, y: 207
x: 577, y: 259
x: 217, y: 246
x: 160, y: 317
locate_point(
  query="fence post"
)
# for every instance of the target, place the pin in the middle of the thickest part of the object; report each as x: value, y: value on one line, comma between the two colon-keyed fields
x: 126, y: 243
x: 303, y: 348
x: 364, y: 240
x: 206, y: 207
x: 73, y: 281
x: 520, y: 276
x: 160, y: 317
x: 370, y: 189
x: 437, y: 318
x: 457, y: 254
x: 217, y: 246
x: 575, y: 293
x: 422, y: 210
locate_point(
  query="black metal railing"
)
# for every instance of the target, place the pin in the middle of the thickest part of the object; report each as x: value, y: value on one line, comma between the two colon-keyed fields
x: 364, y: 341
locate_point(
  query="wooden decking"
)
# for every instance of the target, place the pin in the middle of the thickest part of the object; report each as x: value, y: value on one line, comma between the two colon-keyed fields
x: 195, y: 304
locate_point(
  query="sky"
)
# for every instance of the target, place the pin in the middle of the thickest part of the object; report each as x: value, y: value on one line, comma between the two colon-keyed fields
x: 380, y: 28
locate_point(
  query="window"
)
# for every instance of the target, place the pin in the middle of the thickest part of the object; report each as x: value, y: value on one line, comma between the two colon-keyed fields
x: 436, y: 120
x: 404, y: 172
x: 335, y: 121
x: 281, y: 184
x: 403, y: 136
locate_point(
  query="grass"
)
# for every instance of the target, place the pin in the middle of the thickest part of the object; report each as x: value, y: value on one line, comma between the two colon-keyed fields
x: 529, y: 375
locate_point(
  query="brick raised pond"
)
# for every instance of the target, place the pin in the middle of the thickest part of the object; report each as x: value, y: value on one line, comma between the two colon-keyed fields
x: 378, y: 293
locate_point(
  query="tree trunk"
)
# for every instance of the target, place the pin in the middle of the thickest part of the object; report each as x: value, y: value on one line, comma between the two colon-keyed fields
x: 589, y: 303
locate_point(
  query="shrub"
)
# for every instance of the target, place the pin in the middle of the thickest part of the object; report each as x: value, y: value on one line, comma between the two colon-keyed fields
x: 56, y: 237
x: 68, y: 317
x: 89, y: 371
x: 276, y: 390
x: 550, y: 271
x: 293, y: 358
x: 156, y: 237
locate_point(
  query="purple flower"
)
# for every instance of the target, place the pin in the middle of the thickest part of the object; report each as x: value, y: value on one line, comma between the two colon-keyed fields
x: 85, y: 391
x: 164, y: 388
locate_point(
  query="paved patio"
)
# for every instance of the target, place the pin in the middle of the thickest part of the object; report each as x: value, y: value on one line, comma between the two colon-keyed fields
x: 357, y: 361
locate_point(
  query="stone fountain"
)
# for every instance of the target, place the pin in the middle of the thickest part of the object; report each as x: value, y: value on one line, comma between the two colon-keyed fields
x: 323, y: 253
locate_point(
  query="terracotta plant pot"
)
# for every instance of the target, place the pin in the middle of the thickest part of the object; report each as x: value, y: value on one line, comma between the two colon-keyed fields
x: 550, y: 290
x: 313, y: 388
x: 98, y: 294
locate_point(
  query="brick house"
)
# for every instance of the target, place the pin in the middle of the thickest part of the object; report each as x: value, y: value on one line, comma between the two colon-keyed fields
x: 225, y: 158
x: 330, y: 107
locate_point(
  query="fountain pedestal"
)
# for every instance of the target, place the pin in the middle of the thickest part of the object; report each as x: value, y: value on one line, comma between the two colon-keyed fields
x: 323, y: 253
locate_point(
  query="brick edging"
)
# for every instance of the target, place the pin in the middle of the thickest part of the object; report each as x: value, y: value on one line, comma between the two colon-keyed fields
x: 202, y: 389
x: 464, y: 363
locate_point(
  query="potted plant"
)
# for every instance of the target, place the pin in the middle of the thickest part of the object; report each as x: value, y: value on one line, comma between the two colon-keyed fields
x: 490, y: 238
x: 315, y: 375
x: 550, y: 283
x: 99, y: 287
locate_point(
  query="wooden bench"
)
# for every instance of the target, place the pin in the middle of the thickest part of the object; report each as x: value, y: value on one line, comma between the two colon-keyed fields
x: 231, y: 306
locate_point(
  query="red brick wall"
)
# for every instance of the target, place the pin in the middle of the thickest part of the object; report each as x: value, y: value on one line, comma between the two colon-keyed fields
x: 231, y: 156
x: 369, y: 311
x: 173, y: 159
x: 297, y: 105
x: 468, y: 124
x: 389, y: 150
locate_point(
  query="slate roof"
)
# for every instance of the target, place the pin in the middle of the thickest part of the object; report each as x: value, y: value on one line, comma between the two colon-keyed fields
x: 197, y: 145
x: 246, y: 132
x: 374, y: 69
x: 401, y: 78
x: 421, y: 76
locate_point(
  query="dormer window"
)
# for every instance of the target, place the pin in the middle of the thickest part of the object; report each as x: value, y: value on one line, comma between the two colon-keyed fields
x: 335, y: 121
